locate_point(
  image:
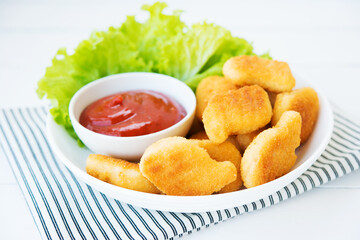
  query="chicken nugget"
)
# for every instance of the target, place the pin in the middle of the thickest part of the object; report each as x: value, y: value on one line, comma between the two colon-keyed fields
x: 177, y: 166
x: 232, y: 139
x: 244, y: 140
x: 202, y: 136
x: 207, y: 88
x: 272, y: 97
x: 236, y: 112
x: 199, y: 136
x: 272, y: 153
x: 222, y: 152
x: 118, y: 172
x: 306, y: 102
x: 272, y: 75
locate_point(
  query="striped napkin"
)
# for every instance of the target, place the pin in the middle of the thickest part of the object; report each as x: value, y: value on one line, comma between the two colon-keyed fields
x: 63, y: 207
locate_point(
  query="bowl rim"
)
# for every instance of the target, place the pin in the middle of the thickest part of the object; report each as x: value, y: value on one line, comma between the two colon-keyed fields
x: 97, y: 82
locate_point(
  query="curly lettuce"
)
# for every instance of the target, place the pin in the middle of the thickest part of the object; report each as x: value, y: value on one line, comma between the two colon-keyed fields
x: 162, y: 44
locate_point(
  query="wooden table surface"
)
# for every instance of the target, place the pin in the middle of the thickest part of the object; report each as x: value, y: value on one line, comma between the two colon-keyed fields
x: 319, y: 39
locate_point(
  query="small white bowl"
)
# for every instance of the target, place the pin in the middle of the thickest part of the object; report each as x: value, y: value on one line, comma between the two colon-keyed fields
x: 130, y: 148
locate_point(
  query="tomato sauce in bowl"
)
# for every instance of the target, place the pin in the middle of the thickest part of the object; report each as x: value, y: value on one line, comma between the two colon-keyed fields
x: 132, y: 113
x: 118, y: 119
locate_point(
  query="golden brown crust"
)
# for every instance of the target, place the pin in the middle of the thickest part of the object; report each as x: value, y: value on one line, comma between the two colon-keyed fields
x: 305, y: 101
x: 207, y: 88
x: 236, y: 112
x: 272, y: 75
x: 118, y: 172
x: 272, y: 97
x: 244, y: 140
x: 177, y: 166
x: 272, y: 153
x: 199, y: 135
x: 202, y: 136
x: 225, y: 151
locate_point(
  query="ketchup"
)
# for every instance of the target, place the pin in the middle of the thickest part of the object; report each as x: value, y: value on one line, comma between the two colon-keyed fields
x: 132, y: 113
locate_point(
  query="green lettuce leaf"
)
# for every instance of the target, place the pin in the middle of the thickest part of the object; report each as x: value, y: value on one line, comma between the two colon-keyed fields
x: 187, y: 53
x: 161, y: 44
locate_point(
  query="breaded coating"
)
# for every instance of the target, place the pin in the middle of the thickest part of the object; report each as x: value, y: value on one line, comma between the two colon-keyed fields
x: 236, y: 112
x: 244, y: 140
x: 272, y: 153
x: 207, y: 88
x: 179, y: 167
x: 272, y: 97
x: 202, y: 136
x: 199, y: 136
x: 222, y: 152
x: 118, y: 172
x: 306, y: 102
x: 271, y: 75
x: 233, y: 140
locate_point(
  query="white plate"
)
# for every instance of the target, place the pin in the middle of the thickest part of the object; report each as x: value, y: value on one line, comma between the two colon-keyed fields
x: 74, y: 157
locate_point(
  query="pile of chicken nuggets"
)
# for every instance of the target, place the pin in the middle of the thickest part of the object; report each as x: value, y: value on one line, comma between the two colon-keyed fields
x: 251, y: 123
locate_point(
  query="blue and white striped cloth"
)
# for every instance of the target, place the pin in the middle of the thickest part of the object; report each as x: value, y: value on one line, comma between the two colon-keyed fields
x: 63, y: 207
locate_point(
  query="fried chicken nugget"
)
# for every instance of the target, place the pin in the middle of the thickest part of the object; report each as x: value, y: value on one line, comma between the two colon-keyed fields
x: 222, y: 152
x: 199, y: 136
x: 272, y: 97
x: 236, y: 112
x: 244, y: 140
x: 118, y: 172
x: 272, y: 75
x: 177, y: 166
x: 202, y: 136
x: 305, y: 101
x: 207, y: 88
x: 272, y: 153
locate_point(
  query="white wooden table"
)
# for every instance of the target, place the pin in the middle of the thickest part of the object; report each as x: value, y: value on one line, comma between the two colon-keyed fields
x: 319, y: 39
